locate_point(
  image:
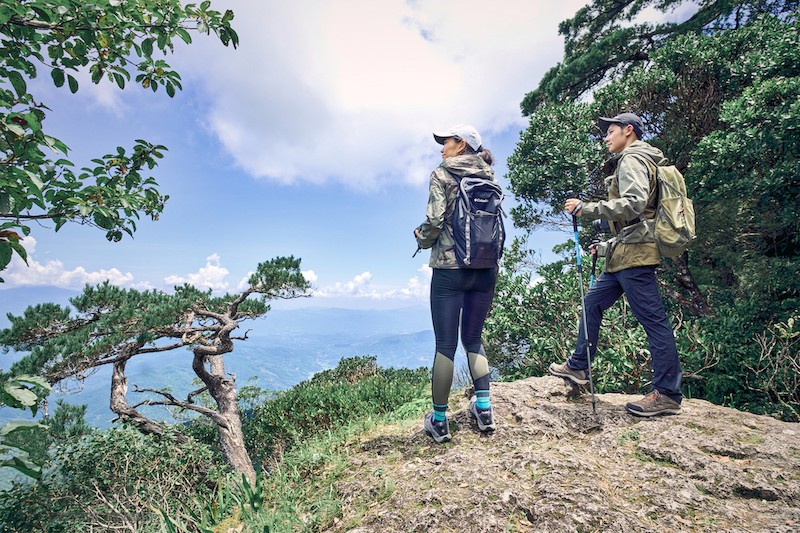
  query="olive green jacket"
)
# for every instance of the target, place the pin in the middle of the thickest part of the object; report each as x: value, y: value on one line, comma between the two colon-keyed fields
x: 630, y: 209
x: 436, y: 232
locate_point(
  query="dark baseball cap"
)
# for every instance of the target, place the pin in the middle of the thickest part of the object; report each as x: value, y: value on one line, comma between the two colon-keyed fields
x: 626, y: 119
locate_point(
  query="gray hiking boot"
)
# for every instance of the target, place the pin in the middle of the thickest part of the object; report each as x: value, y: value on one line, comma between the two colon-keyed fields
x: 484, y: 417
x: 439, y: 431
x: 579, y: 377
x: 654, y: 404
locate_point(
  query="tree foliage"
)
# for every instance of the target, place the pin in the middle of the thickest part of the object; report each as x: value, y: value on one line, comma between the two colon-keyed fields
x: 115, y: 40
x: 723, y: 107
x: 605, y: 41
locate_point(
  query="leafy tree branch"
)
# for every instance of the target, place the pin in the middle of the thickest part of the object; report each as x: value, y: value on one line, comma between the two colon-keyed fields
x: 119, y: 41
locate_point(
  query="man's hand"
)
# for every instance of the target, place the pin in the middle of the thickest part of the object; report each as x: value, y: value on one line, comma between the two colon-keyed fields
x: 593, y: 250
x: 573, y: 204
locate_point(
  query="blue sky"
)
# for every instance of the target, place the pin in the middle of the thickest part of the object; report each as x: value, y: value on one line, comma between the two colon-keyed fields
x: 312, y: 139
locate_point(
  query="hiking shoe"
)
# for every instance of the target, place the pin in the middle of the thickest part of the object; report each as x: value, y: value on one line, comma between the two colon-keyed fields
x: 654, y: 404
x: 438, y: 430
x: 484, y: 417
x: 579, y: 377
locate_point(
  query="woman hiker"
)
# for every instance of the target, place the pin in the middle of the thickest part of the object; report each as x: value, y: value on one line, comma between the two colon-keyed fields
x: 457, y: 293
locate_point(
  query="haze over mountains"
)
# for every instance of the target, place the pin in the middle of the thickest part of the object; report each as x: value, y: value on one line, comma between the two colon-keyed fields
x: 284, y: 348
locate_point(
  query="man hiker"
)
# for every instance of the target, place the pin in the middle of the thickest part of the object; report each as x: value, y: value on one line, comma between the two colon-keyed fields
x: 631, y: 258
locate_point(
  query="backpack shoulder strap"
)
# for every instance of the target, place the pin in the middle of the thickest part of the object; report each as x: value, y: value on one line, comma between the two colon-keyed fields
x: 654, y: 181
x: 641, y: 153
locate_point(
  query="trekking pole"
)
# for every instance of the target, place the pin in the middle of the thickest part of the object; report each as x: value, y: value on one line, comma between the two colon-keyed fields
x: 583, y: 306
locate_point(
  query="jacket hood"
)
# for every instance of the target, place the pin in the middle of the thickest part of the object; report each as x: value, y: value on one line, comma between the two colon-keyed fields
x: 652, y: 151
x: 468, y: 165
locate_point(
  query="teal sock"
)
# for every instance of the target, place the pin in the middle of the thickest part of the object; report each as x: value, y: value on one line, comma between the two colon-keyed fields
x: 482, y: 400
x: 439, y: 412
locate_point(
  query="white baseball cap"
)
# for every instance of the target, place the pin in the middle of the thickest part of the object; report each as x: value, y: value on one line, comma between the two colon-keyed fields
x: 462, y: 131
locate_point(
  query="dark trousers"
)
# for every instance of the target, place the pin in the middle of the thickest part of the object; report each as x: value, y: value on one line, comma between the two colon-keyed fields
x: 465, y: 296
x: 640, y: 286
x: 460, y: 295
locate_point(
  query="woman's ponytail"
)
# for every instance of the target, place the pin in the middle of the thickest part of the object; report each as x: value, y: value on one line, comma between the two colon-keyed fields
x: 481, y: 152
x: 486, y: 155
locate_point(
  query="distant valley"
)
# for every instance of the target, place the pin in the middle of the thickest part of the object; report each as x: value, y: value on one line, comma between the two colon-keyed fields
x: 283, y: 349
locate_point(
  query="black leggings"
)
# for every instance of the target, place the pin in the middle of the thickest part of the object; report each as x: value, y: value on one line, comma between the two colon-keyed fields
x: 459, y: 295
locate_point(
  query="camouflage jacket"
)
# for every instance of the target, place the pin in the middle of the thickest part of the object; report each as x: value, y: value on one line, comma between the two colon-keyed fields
x: 437, y: 230
x: 630, y: 209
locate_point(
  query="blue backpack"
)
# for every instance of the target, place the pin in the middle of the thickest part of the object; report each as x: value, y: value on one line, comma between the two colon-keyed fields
x: 478, y: 229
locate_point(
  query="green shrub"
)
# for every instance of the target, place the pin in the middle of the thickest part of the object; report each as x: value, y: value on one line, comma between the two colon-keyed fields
x: 356, y: 388
x: 107, y: 480
x: 748, y: 365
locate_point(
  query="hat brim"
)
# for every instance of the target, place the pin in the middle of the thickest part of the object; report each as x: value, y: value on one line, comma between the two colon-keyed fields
x: 441, y: 137
x: 605, y: 122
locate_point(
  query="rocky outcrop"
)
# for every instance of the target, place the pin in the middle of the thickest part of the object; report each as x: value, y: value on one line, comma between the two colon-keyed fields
x: 552, y: 465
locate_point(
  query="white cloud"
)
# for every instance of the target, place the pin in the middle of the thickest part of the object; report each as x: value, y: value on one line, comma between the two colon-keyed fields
x: 212, y: 276
x: 351, y: 90
x: 360, y: 287
x: 54, y: 274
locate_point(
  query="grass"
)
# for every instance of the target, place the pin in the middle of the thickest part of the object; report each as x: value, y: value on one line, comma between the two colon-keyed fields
x: 751, y: 438
x: 300, y: 493
x: 627, y: 436
x: 697, y: 427
x: 643, y: 457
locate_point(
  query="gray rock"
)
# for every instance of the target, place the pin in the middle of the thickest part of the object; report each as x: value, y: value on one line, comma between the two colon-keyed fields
x: 554, y: 466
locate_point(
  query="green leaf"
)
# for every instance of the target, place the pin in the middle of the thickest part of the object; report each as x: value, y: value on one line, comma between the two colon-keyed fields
x: 36, y: 381
x: 73, y: 84
x: 18, y: 82
x: 58, y: 76
x: 23, y: 395
x: 16, y: 128
x: 147, y: 47
x: 103, y: 221
x: 23, y: 465
x: 34, y: 185
x: 170, y: 89
x: 5, y: 254
x: 19, y: 425
x: 183, y: 34
x: 21, y: 251
x: 5, y: 203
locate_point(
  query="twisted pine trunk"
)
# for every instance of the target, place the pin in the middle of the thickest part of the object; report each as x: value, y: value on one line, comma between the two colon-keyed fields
x: 120, y: 406
x: 228, y: 417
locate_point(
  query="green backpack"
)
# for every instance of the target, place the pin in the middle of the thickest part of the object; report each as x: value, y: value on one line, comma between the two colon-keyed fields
x: 674, y: 221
